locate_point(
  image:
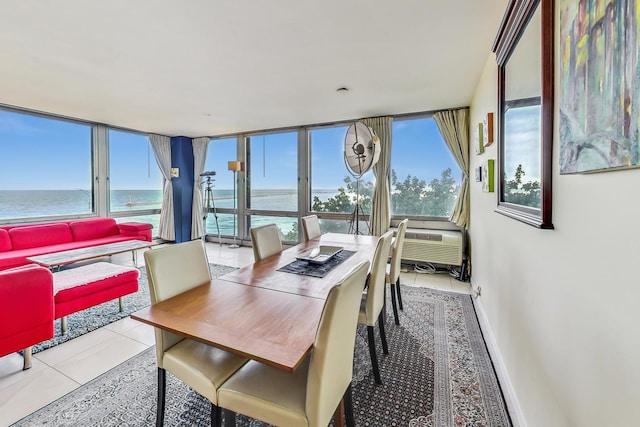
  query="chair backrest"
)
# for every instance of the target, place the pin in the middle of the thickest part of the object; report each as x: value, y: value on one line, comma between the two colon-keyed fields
x: 331, y: 364
x: 172, y: 270
x: 310, y: 227
x: 377, y: 282
x: 396, y: 258
x: 266, y: 241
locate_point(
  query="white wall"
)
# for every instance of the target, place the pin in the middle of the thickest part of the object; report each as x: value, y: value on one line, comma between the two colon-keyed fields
x: 562, y: 304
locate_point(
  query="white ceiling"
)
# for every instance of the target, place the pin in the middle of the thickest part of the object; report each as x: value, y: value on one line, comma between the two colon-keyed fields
x: 213, y: 67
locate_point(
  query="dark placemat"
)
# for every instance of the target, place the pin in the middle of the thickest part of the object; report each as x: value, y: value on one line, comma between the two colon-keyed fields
x: 316, y: 270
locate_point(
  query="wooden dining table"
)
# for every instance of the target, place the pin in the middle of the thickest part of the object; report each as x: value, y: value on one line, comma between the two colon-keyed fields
x: 257, y: 311
x: 265, y: 273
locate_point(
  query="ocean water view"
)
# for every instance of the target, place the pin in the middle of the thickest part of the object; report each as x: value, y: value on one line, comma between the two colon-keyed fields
x: 25, y: 204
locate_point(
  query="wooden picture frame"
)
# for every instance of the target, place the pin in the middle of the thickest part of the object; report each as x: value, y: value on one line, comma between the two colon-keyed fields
x: 513, y: 30
x: 488, y: 130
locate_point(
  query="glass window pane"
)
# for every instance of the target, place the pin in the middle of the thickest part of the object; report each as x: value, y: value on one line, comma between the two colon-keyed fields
x: 45, y: 167
x: 425, y: 178
x: 135, y: 181
x: 333, y: 187
x: 338, y: 225
x: 219, y: 153
x: 272, y: 172
x: 225, y: 223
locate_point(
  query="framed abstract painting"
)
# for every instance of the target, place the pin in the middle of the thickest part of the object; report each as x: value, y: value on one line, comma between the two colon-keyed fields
x: 599, y: 91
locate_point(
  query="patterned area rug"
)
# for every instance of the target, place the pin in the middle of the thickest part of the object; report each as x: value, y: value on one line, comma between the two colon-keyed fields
x: 96, y: 317
x: 437, y: 373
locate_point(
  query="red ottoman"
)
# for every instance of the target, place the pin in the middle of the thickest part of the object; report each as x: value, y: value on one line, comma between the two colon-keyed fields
x: 86, y: 286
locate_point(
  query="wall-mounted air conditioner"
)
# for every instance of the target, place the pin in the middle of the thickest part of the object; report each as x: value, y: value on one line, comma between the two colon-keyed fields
x: 433, y: 246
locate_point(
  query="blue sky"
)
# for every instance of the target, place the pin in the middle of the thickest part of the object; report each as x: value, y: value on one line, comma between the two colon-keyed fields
x: 43, y: 154
x: 522, y: 133
x: 39, y: 153
x: 418, y: 150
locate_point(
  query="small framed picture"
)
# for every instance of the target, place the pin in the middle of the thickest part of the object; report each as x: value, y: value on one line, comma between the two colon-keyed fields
x: 488, y: 130
x: 487, y: 176
x: 479, y: 174
x: 478, y: 138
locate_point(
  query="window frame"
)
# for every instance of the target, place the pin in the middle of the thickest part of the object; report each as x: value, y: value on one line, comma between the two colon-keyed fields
x: 514, y: 23
x: 426, y: 218
x: 93, y: 160
x: 243, y: 194
x: 106, y: 194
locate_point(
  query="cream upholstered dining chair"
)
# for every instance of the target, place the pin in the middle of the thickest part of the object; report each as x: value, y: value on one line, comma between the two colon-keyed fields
x: 393, y: 268
x: 266, y: 241
x: 172, y: 270
x: 373, y: 300
x: 309, y: 395
x: 310, y: 227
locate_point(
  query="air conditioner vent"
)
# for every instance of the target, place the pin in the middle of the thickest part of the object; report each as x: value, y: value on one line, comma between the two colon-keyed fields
x: 428, y: 236
x: 435, y: 246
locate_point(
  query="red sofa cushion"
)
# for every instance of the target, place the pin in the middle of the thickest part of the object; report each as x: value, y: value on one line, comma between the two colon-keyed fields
x: 139, y: 230
x: 135, y: 226
x: 39, y: 235
x: 93, y: 228
x: 92, y: 278
x: 5, y: 241
x: 83, y: 287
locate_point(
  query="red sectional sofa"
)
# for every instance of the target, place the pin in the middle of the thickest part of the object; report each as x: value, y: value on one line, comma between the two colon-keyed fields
x: 17, y: 242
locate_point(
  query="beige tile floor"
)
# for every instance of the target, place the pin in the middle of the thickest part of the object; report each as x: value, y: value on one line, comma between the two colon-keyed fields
x: 63, y: 368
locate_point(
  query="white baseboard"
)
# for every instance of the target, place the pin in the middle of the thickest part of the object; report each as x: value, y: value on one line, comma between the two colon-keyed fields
x: 517, y: 417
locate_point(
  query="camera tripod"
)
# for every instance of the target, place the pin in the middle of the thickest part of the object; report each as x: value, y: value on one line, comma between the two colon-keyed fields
x: 208, y: 204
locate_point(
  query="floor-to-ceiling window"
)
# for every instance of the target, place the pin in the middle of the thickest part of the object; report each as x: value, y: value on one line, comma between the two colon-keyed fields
x: 425, y: 178
x: 334, y: 188
x: 271, y: 182
x: 135, y: 181
x: 45, y: 167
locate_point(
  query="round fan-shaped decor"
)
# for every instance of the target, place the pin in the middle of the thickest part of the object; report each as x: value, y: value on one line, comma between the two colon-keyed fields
x: 361, y: 149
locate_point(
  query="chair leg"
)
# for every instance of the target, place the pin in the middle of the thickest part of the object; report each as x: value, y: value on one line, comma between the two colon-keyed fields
x: 374, y: 357
x: 338, y: 414
x: 26, y: 355
x: 229, y: 418
x: 216, y: 415
x: 63, y: 325
x: 399, y: 294
x: 383, y: 335
x: 393, y: 303
x: 162, y: 381
x: 348, y: 407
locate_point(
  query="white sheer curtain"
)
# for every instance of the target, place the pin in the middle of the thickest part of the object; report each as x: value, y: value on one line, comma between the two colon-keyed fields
x: 454, y: 127
x: 380, y: 218
x: 199, y: 157
x: 162, y: 150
